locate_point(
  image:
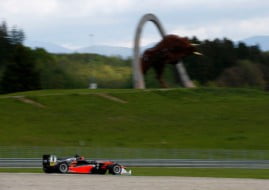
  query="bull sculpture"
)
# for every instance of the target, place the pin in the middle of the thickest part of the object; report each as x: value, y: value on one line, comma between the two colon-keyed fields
x: 170, y: 50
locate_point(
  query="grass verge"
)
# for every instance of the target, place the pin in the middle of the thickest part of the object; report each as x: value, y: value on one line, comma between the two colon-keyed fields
x: 21, y: 170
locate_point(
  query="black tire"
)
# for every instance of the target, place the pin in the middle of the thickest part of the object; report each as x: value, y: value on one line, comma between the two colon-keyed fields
x: 115, y: 169
x: 102, y: 172
x: 63, y: 167
x: 46, y: 170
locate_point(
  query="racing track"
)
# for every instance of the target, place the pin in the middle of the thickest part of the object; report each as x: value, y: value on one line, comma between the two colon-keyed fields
x: 97, y: 182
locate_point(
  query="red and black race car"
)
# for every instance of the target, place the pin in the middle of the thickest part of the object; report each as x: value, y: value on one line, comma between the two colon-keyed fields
x: 77, y: 164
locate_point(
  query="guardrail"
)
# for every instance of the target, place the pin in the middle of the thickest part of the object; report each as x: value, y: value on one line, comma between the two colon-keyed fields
x: 133, y: 153
x: 148, y: 157
x: 186, y: 163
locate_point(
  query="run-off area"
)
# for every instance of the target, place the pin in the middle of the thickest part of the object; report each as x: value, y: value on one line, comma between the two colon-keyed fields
x: 24, y: 181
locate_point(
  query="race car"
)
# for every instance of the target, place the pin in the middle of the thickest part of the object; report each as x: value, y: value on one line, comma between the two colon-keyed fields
x: 78, y: 165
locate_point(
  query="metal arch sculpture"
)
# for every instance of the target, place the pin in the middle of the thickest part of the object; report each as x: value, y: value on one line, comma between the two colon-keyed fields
x: 138, y: 78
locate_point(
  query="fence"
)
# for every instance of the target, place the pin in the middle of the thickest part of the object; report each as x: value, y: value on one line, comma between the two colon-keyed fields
x: 185, y: 163
x: 133, y: 153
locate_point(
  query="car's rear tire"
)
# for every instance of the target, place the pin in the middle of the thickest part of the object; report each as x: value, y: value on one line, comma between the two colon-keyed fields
x: 115, y: 169
x: 46, y: 170
x: 63, y: 167
x: 102, y: 172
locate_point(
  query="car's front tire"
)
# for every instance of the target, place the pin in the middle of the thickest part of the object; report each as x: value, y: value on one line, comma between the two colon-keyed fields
x: 115, y: 169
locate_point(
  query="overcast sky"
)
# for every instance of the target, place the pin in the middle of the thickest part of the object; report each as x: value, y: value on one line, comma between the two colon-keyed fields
x: 80, y: 23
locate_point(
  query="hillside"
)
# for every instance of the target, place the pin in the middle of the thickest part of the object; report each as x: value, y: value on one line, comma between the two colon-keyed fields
x: 177, y: 118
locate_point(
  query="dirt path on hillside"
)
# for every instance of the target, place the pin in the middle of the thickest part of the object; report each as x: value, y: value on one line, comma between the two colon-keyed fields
x: 28, y: 101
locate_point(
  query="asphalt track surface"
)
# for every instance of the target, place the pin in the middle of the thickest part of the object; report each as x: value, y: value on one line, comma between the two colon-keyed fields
x: 14, y: 181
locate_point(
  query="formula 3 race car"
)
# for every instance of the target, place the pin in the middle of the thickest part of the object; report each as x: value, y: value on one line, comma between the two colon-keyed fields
x: 78, y: 165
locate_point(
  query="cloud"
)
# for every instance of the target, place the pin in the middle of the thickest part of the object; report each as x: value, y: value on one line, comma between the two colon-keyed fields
x: 251, y: 26
x: 28, y: 7
x: 234, y: 29
x: 63, y: 8
x: 71, y: 21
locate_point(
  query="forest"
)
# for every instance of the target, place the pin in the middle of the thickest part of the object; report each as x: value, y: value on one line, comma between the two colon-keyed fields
x: 224, y: 64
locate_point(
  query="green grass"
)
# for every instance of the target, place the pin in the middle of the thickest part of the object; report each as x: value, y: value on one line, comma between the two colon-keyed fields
x: 21, y: 170
x: 202, y: 118
x: 184, y: 172
x: 203, y: 172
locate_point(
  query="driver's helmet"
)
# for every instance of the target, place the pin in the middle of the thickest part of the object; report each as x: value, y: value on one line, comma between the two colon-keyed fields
x: 79, y: 157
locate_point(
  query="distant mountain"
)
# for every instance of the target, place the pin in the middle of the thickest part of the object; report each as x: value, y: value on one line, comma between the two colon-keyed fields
x: 107, y: 50
x: 262, y: 41
x: 50, y: 47
x: 98, y: 49
x: 124, y: 52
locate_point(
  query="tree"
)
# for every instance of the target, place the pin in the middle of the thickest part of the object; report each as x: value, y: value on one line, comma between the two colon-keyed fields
x: 5, y: 45
x: 17, y: 36
x: 244, y: 74
x: 21, y: 74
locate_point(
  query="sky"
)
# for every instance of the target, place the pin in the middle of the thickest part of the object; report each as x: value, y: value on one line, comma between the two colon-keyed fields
x: 80, y: 23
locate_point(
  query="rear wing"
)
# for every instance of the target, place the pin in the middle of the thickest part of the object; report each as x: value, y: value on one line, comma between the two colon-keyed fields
x: 49, y: 160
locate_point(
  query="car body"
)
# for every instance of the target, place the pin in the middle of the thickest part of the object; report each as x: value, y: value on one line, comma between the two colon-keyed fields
x: 78, y: 165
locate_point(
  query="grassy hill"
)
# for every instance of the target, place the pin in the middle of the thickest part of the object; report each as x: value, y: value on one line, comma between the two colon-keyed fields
x: 177, y: 118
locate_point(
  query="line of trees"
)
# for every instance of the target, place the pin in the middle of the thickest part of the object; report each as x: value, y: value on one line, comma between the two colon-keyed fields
x: 224, y: 63
x: 24, y: 69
